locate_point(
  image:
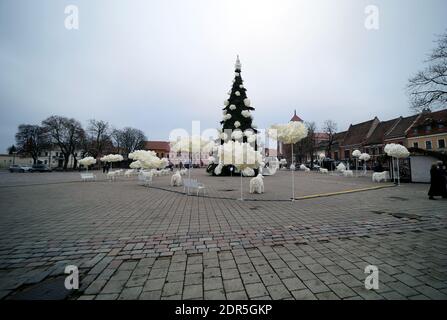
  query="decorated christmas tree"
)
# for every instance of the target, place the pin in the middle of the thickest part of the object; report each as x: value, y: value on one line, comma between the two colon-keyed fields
x: 237, y: 109
x: 237, y: 121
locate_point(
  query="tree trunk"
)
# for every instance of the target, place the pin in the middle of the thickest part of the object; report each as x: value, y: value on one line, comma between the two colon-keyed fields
x: 75, y: 163
x: 66, y: 159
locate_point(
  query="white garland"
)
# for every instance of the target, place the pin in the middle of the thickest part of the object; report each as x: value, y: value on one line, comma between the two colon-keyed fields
x: 237, y: 93
x: 226, y: 102
x: 232, y: 107
x: 247, y: 102
x: 237, y: 124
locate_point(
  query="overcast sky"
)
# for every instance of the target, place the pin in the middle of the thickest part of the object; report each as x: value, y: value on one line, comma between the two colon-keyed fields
x: 158, y: 65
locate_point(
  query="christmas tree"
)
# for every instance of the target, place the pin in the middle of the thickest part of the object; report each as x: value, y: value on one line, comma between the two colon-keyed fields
x: 237, y: 110
x: 237, y: 122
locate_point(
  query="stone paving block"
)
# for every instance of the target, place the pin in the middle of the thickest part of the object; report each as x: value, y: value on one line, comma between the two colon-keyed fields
x: 192, y: 291
x: 256, y: 290
x: 293, y: 284
x: 217, y: 294
x: 154, y: 284
x: 328, y: 295
x: 270, y: 279
x: 238, y: 295
x: 150, y: 295
x: 228, y: 274
x: 130, y: 293
x: 278, y: 292
x: 113, y: 286
x: 316, y: 286
x: 304, y: 294
x: 95, y: 287
x: 108, y: 296
x: 251, y: 277
x: 172, y: 289
x: 341, y: 290
x: 233, y: 285
x: 213, y: 283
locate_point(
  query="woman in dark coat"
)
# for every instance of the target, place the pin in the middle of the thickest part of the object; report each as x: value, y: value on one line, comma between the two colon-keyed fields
x: 437, y: 183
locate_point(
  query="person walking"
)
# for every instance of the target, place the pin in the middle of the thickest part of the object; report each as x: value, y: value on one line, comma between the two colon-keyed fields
x: 437, y: 182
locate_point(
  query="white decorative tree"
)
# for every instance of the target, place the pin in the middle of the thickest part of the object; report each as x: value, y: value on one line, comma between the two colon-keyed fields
x: 241, y: 155
x: 396, y: 151
x: 87, y: 161
x: 192, y: 144
x: 289, y: 133
x: 356, y: 154
x: 146, y: 160
x: 112, y: 158
x: 364, y: 157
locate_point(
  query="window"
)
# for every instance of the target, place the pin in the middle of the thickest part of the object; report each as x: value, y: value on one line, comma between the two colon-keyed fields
x: 335, y: 155
x: 415, y: 130
x: 428, y: 145
x: 415, y: 145
x: 441, y: 143
x: 441, y: 125
x: 347, y: 154
x: 428, y: 128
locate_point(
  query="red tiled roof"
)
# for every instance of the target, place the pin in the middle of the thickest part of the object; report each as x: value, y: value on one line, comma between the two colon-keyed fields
x: 358, y: 133
x: 379, y: 132
x: 436, y: 121
x: 157, y: 145
x: 400, y: 129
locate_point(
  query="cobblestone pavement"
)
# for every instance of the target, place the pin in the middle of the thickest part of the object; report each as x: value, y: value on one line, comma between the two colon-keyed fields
x: 133, y: 242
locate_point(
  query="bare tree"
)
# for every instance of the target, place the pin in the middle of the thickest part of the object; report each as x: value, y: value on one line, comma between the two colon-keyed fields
x: 32, y: 140
x: 128, y: 139
x: 12, y: 149
x: 330, y: 128
x: 309, y: 143
x: 67, y: 134
x: 99, y: 137
x: 428, y: 88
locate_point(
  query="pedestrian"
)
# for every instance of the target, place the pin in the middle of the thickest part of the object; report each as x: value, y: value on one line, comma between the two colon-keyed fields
x: 107, y: 167
x: 437, y: 182
x: 104, y: 169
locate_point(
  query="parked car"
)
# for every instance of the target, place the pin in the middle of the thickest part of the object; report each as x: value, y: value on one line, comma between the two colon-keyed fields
x: 19, y: 168
x: 40, y: 168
